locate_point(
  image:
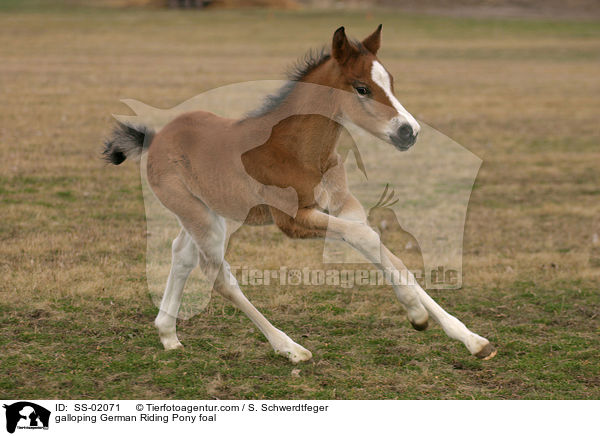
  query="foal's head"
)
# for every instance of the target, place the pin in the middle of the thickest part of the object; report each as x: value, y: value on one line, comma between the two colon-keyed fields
x: 372, y: 104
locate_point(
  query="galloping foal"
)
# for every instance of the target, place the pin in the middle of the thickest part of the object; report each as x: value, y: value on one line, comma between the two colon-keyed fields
x: 280, y: 165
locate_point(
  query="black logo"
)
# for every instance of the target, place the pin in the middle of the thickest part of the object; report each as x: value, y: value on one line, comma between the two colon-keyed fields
x: 26, y: 415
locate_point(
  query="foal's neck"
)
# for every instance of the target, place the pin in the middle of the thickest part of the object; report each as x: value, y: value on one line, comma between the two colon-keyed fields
x: 304, y: 123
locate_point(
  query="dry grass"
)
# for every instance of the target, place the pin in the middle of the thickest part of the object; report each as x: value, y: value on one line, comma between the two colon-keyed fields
x: 75, y: 315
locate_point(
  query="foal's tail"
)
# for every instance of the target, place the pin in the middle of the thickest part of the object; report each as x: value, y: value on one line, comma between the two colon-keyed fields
x: 126, y: 141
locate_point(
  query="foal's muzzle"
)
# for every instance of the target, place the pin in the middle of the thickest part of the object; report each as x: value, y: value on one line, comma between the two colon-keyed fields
x: 404, y: 138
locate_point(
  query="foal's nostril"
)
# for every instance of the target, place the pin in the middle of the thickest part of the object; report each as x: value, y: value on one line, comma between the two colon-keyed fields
x: 405, y: 137
x: 405, y: 132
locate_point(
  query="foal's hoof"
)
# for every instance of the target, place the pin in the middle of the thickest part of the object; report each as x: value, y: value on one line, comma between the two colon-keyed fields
x: 300, y: 356
x: 486, y: 353
x: 419, y: 320
x: 171, y: 343
x: 296, y: 353
x: 420, y: 327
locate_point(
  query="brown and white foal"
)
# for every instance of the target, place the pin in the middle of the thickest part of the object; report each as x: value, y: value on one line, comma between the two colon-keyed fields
x: 280, y: 165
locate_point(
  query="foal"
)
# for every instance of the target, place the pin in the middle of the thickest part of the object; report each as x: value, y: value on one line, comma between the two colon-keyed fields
x: 279, y: 165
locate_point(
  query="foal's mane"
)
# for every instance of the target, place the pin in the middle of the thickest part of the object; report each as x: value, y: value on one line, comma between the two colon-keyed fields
x: 311, y: 60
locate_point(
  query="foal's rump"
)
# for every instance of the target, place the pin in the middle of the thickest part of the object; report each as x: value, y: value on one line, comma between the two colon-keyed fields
x: 204, y: 151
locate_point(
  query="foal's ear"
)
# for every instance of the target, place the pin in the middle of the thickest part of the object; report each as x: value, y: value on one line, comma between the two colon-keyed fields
x: 373, y: 41
x: 341, y: 48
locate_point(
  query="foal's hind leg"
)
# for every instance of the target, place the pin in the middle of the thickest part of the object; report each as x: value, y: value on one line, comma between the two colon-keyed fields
x: 226, y: 284
x: 208, y: 231
x: 211, y: 244
x: 184, y: 259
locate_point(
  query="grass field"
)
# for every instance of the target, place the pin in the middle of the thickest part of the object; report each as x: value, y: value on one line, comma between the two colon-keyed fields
x: 75, y: 313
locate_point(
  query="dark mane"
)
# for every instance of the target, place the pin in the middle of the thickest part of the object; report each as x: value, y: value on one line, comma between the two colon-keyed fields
x: 307, y: 63
x: 296, y: 72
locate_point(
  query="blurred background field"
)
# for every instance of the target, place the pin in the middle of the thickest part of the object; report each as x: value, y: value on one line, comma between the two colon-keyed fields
x: 518, y: 89
x: 560, y: 9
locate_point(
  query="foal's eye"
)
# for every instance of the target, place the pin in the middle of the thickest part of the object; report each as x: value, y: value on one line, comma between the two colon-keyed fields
x: 362, y: 90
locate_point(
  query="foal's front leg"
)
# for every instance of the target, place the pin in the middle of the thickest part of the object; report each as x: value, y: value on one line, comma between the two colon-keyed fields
x: 452, y: 326
x: 364, y: 239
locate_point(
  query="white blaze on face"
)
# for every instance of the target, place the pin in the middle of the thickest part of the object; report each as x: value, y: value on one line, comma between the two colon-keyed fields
x: 381, y: 77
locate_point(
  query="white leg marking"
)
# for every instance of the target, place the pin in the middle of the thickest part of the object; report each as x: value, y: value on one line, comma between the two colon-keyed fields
x: 364, y: 239
x: 210, y: 241
x: 227, y: 286
x: 184, y: 260
x: 451, y: 325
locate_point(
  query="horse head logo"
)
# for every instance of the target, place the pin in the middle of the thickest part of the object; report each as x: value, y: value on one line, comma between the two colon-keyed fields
x: 27, y: 414
x: 383, y: 219
x: 381, y: 216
